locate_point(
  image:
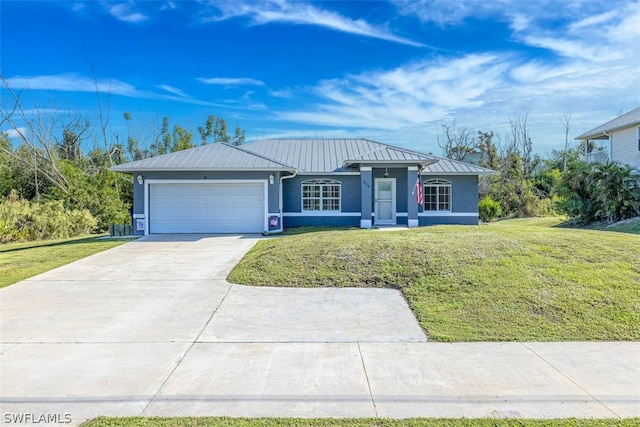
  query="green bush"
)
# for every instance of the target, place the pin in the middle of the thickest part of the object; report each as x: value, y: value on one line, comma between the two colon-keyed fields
x: 489, y: 209
x: 22, y: 220
x: 599, y: 192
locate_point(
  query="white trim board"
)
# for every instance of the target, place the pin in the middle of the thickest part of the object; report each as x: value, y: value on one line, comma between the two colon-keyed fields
x: 445, y: 213
x: 320, y: 214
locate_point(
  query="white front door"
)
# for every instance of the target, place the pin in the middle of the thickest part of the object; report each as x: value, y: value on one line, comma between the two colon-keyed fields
x: 385, y: 201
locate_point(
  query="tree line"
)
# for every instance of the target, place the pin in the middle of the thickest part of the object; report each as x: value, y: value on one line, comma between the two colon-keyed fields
x: 55, y: 180
x: 59, y: 162
x: 527, y: 185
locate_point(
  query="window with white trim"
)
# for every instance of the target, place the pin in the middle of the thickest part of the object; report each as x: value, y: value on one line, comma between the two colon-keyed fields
x: 320, y: 195
x: 437, y: 195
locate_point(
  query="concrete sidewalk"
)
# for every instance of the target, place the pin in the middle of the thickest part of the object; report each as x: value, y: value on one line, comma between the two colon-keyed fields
x: 163, y: 334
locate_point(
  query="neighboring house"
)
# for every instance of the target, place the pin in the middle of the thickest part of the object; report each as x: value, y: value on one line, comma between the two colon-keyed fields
x: 266, y: 185
x: 622, y: 137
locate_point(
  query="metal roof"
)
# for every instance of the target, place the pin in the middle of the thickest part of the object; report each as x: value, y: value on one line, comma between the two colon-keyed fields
x: 205, y: 157
x: 629, y: 119
x: 303, y: 155
x: 336, y: 155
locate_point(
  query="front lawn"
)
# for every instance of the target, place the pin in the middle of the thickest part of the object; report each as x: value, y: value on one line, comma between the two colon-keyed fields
x: 508, y: 281
x: 19, y: 261
x: 347, y: 422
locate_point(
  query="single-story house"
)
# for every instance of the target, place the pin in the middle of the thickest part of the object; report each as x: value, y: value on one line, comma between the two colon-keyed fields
x: 266, y: 185
x: 621, y: 138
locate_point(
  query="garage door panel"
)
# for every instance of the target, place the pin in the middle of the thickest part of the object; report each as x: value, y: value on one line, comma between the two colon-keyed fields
x: 206, y: 208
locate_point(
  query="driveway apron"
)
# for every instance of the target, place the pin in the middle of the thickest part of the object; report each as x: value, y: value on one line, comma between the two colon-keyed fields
x: 153, y: 328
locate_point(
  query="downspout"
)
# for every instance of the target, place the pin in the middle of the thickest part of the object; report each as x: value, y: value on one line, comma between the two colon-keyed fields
x: 280, y: 202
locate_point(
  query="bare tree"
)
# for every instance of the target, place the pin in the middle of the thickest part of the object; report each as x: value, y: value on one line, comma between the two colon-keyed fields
x: 458, y: 143
x: 37, y: 136
x: 520, y: 142
x: 566, y: 122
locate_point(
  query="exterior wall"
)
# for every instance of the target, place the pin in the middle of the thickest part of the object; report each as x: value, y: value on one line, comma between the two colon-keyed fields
x: 138, y: 190
x: 464, y: 202
x: 624, y: 147
x: 356, y: 189
x: 349, y: 214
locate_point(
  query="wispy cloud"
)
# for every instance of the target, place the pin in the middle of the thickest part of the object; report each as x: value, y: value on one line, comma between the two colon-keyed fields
x: 73, y: 83
x: 125, y: 12
x: 228, y: 81
x: 404, y: 96
x: 173, y: 90
x: 282, y: 11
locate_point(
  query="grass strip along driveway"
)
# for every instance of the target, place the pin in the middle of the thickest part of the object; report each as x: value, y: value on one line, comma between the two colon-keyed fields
x: 508, y: 281
x: 330, y: 422
x: 19, y: 261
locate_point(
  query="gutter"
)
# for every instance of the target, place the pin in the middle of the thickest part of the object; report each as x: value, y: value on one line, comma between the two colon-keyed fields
x: 280, y: 203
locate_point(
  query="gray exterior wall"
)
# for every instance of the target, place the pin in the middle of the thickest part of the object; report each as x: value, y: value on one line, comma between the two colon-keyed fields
x: 464, y: 198
x: 349, y: 202
x: 354, y: 192
x: 464, y: 191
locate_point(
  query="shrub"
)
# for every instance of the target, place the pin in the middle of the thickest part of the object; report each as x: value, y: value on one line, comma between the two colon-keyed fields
x: 599, y: 192
x: 22, y: 220
x: 489, y: 209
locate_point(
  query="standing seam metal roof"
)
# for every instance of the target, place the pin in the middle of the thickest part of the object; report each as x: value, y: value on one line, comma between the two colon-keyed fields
x: 206, y: 157
x: 303, y: 155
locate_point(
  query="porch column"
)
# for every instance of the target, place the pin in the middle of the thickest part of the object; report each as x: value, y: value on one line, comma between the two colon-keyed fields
x: 366, y: 183
x: 412, y: 205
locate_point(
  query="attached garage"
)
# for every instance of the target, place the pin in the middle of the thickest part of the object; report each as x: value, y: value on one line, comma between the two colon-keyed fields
x: 211, y: 207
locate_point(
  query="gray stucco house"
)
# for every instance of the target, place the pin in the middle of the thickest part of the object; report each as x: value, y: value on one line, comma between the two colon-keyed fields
x: 266, y: 185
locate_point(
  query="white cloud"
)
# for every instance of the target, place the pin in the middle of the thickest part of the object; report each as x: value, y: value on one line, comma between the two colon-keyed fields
x: 73, y: 83
x: 173, y: 90
x: 77, y: 83
x: 594, y: 20
x: 238, y: 81
x: 16, y: 133
x: 282, y: 11
x: 123, y: 12
x: 404, y: 96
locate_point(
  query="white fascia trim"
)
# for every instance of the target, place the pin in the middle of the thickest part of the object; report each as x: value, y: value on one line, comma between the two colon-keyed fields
x: 446, y: 213
x: 412, y: 168
x: 314, y: 213
x: 364, y: 223
x: 366, y: 168
x: 328, y: 173
x: 148, y: 182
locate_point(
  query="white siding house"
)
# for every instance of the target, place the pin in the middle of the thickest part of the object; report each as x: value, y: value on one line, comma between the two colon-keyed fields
x: 622, y: 136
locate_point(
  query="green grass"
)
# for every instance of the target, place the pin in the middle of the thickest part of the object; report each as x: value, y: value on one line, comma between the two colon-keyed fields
x: 516, y: 280
x: 19, y: 261
x: 361, y: 422
x: 631, y: 225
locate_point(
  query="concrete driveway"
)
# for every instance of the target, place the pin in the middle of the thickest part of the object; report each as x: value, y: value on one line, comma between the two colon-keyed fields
x: 152, y: 328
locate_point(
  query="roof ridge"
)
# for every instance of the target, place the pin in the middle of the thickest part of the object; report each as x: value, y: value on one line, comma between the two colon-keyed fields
x: 253, y: 153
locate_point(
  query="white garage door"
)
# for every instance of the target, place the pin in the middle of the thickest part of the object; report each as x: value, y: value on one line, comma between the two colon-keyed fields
x: 206, y: 208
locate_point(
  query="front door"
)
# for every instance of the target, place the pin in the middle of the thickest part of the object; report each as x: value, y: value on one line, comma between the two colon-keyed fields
x: 385, y: 201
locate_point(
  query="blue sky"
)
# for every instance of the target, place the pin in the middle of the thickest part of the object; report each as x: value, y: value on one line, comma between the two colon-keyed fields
x: 389, y: 71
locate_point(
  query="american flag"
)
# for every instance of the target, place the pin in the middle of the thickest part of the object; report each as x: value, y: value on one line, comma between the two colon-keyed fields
x: 419, y: 196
